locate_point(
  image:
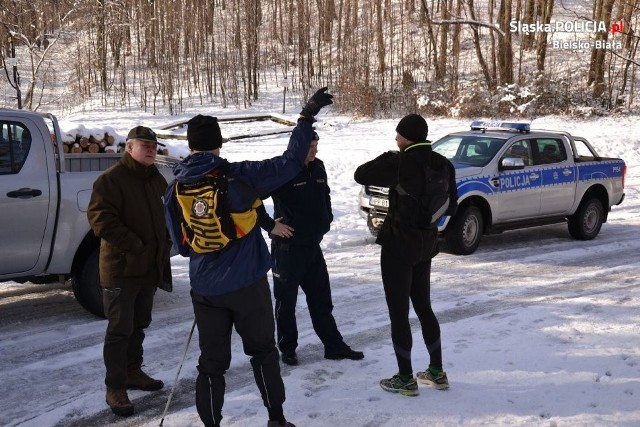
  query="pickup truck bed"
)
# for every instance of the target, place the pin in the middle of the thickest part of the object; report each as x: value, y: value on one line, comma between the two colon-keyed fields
x: 44, y: 195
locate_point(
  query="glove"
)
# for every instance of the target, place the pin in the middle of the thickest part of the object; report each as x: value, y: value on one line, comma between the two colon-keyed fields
x: 318, y: 100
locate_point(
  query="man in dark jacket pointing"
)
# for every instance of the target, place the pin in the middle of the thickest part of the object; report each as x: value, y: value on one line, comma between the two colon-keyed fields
x: 421, y: 189
x: 229, y: 287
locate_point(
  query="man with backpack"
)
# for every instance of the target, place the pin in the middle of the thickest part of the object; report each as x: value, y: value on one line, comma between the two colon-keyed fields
x: 211, y: 200
x: 422, y: 188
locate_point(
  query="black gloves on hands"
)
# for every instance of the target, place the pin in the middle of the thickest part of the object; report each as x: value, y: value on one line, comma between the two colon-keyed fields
x: 318, y: 100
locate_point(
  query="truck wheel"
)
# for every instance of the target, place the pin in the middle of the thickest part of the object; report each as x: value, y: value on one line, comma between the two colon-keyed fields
x: 585, y: 224
x: 465, y: 231
x: 86, y: 285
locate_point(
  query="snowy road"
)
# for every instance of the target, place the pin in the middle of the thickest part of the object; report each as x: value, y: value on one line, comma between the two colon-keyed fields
x: 47, y: 339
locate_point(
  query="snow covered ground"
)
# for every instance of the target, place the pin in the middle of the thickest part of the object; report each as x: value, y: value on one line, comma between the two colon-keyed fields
x: 537, y: 329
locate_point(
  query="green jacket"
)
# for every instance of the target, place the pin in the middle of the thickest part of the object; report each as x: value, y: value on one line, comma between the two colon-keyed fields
x: 126, y: 211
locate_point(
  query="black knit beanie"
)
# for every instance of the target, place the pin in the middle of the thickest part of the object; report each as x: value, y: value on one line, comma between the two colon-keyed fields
x: 413, y: 127
x: 203, y: 133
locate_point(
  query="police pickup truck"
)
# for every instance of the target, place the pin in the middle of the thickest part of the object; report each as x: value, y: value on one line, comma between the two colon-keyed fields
x: 509, y: 176
x: 44, y: 194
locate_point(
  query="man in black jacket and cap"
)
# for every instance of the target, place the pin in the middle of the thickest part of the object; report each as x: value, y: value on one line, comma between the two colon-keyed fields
x: 304, y: 204
x: 421, y: 189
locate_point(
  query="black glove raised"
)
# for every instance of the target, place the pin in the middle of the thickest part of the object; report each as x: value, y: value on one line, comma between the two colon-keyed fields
x: 318, y: 100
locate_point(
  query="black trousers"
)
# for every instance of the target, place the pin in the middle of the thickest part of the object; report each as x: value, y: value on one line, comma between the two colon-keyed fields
x: 303, y: 266
x: 128, y: 310
x: 250, y: 311
x: 404, y: 282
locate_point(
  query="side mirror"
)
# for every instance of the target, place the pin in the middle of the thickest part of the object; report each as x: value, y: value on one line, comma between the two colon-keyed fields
x: 511, y: 163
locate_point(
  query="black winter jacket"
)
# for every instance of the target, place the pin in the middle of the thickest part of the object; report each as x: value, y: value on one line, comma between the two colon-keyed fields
x: 304, y: 204
x: 406, y: 168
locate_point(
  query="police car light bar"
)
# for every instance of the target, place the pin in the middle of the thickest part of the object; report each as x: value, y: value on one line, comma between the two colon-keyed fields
x: 520, y: 127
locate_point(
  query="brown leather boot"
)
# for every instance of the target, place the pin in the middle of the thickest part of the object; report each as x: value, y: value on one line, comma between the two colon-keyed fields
x: 138, y: 380
x: 119, y: 402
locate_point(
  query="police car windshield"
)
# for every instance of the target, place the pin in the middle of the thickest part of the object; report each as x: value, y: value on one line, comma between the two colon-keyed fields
x: 474, y: 150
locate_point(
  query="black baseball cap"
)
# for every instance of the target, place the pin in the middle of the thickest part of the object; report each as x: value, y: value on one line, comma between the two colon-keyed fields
x: 143, y: 133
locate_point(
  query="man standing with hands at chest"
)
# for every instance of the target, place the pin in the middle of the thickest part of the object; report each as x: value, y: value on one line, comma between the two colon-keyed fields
x: 304, y: 204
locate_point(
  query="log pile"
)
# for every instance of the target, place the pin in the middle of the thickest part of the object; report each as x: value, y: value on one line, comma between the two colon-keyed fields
x: 92, y: 144
x: 97, y: 144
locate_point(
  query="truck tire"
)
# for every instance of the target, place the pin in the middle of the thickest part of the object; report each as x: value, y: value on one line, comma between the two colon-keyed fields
x: 586, y: 223
x: 86, y: 285
x: 465, y: 231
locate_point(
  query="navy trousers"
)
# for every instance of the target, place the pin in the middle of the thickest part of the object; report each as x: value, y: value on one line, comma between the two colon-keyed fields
x: 303, y: 266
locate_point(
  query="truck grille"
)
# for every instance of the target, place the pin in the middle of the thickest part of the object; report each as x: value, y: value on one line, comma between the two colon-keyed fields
x: 372, y: 190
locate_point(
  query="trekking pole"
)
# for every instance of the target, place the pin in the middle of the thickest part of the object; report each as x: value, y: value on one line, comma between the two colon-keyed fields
x: 175, y: 381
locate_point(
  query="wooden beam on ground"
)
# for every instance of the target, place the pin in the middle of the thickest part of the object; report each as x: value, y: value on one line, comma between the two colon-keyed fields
x: 234, y: 119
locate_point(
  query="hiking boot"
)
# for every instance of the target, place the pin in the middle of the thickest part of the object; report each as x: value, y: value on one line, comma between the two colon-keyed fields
x: 273, y: 423
x: 119, y: 402
x: 439, y: 381
x: 138, y: 380
x: 396, y: 385
x: 344, y: 353
x: 290, y: 358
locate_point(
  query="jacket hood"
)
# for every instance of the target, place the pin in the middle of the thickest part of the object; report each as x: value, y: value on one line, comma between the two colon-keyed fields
x: 195, y: 166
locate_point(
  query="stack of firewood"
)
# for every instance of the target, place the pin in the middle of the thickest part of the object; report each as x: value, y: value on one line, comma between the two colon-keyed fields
x: 92, y: 144
x: 98, y: 144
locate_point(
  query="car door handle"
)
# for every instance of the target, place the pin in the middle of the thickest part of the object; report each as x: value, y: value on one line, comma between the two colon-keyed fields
x: 24, y: 193
x: 495, y: 182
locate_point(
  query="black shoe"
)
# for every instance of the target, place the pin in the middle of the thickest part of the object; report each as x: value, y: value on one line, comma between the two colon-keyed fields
x: 344, y: 353
x: 289, y: 358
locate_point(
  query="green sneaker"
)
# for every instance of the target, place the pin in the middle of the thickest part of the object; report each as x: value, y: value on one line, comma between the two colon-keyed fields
x: 396, y: 385
x: 439, y: 382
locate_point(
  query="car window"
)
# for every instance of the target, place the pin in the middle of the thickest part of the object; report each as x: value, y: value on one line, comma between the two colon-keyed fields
x: 471, y: 149
x: 550, y: 151
x: 15, y: 142
x: 521, y: 150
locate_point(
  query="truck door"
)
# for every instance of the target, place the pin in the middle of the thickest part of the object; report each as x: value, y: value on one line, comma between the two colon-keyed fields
x: 24, y: 196
x: 518, y: 190
x: 558, y: 176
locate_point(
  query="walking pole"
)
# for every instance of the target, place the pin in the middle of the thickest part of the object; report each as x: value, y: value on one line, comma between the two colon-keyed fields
x: 175, y: 381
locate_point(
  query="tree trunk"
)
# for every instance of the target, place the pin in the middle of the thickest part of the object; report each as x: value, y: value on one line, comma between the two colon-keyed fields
x: 546, y: 6
x: 596, y: 66
x: 505, y: 49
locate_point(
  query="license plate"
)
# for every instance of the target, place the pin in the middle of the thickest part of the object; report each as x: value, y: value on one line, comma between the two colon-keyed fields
x: 376, y: 201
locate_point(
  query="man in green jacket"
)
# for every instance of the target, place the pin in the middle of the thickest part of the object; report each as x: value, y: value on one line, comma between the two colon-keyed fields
x: 126, y: 212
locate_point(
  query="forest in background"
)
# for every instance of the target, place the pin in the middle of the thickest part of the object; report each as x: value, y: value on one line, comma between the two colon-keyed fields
x: 459, y: 58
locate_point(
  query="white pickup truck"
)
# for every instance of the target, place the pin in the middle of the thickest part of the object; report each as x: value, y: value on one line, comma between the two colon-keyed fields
x: 44, y: 194
x: 509, y: 176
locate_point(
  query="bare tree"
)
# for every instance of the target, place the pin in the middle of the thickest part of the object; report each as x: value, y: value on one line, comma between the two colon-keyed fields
x: 546, y: 7
x: 505, y: 49
x: 602, y: 12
